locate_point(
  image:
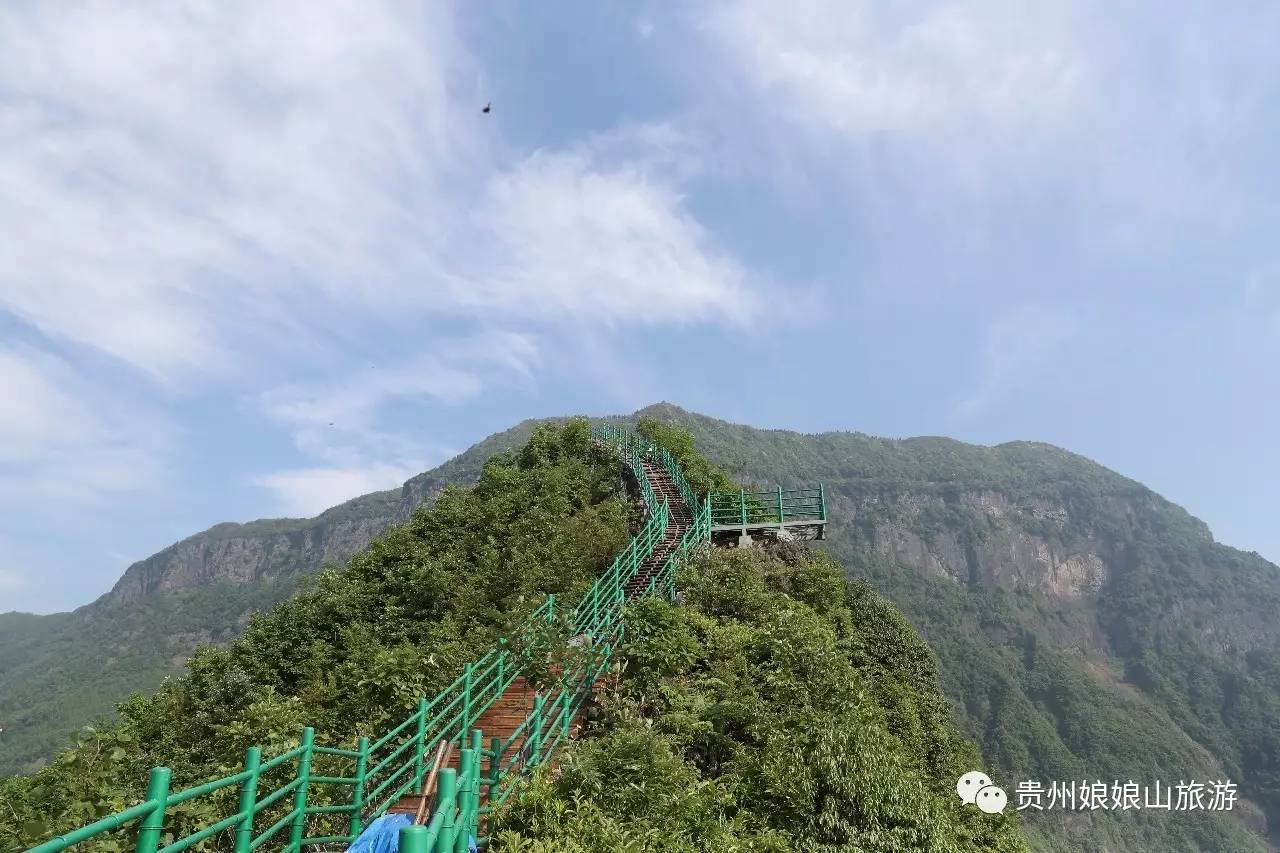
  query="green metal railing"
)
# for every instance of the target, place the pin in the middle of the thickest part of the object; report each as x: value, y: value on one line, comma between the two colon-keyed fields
x: 456, y: 815
x: 775, y: 507
x: 355, y: 786
x: 639, y: 449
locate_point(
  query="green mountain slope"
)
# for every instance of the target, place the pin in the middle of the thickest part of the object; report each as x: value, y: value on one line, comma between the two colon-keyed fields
x: 777, y: 708
x: 357, y: 650
x: 1086, y: 627
x: 783, y: 684
x: 59, y: 672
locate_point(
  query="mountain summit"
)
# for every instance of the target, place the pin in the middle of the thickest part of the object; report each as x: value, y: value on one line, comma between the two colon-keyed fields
x: 1085, y: 627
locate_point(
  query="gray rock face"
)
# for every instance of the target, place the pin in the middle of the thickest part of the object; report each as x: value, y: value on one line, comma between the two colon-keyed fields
x: 1007, y: 553
x: 248, y: 557
x: 1049, y: 548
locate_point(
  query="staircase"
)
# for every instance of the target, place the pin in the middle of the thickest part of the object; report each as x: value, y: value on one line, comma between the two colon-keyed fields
x: 679, y: 521
x: 501, y: 720
x: 527, y: 722
x: 514, y: 706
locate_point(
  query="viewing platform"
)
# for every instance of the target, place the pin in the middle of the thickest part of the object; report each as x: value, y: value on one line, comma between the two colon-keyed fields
x: 780, y: 513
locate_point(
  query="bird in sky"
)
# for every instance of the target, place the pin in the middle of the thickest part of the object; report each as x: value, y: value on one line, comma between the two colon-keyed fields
x: 487, y: 107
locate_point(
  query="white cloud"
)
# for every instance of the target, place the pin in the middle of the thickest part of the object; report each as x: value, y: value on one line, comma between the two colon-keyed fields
x: 602, y: 244
x: 453, y: 371
x: 342, y: 421
x: 1018, y: 343
x: 65, y: 440
x: 187, y: 186
x: 351, y: 404
x: 1132, y: 121
x: 305, y: 492
x: 263, y: 194
x: 176, y: 177
x: 861, y: 67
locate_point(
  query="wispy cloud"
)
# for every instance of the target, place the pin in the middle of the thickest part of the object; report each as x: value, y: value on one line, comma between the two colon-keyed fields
x: 66, y: 440
x: 861, y: 67
x: 188, y: 187
x: 306, y: 492
x: 340, y: 421
x: 609, y: 244
x: 262, y: 195
x: 1017, y: 345
x: 177, y: 179
x: 957, y: 107
x: 351, y: 403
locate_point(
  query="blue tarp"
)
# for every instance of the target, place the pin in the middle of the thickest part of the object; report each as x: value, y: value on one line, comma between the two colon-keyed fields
x: 381, y: 836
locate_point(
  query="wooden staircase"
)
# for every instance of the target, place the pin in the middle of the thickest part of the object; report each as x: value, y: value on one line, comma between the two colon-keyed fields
x: 501, y: 720
x: 679, y: 521
x: 505, y: 715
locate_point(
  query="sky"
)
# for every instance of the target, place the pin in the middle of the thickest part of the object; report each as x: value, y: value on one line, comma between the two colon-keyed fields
x: 257, y: 258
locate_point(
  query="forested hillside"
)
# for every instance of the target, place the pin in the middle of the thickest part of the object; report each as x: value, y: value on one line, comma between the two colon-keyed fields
x: 60, y: 672
x: 361, y: 647
x: 779, y: 708
x: 1086, y: 627
x: 776, y: 708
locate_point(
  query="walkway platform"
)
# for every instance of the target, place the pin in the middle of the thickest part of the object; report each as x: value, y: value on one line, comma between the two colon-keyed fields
x: 784, y: 513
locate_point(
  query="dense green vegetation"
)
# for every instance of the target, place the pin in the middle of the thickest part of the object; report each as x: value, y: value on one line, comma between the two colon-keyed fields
x: 60, y: 672
x: 356, y: 651
x: 1168, y: 671
x: 777, y: 709
x: 698, y: 471
x: 780, y: 709
x: 1043, y: 711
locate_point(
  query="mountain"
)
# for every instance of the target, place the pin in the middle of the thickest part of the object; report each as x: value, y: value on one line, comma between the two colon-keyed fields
x: 772, y: 706
x: 1085, y: 628
x: 281, y: 548
x: 61, y: 671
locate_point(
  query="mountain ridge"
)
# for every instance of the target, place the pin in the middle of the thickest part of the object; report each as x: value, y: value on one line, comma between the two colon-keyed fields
x: 301, y: 545
x: 1084, y: 623
x: 395, y: 504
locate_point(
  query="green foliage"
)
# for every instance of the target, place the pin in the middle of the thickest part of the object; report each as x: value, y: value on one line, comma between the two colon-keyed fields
x: 701, y: 475
x: 58, y: 672
x: 352, y: 655
x: 1043, y: 712
x: 1171, y: 670
x: 61, y: 671
x: 1168, y: 672
x: 777, y: 710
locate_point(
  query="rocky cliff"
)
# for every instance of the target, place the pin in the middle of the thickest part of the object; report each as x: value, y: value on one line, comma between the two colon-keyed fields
x: 261, y: 550
x: 1085, y: 626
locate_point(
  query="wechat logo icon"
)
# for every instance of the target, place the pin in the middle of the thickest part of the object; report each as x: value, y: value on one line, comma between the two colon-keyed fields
x: 977, y: 789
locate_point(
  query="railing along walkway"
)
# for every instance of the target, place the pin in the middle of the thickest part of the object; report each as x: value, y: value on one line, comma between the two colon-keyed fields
x: 284, y: 799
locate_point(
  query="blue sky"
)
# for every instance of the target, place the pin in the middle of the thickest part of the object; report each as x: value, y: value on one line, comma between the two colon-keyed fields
x: 257, y: 258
